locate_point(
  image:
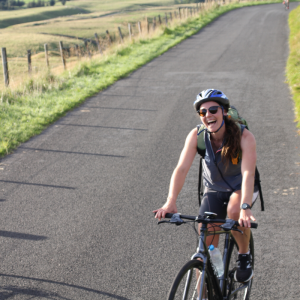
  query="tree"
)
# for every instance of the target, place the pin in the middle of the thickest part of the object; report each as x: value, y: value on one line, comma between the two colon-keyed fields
x: 63, y: 2
x: 52, y: 2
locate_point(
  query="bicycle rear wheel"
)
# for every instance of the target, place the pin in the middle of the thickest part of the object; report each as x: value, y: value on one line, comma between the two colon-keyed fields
x: 243, y: 290
x: 186, y: 285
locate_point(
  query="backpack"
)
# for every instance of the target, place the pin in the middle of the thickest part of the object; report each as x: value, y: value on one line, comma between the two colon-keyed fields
x: 201, y: 148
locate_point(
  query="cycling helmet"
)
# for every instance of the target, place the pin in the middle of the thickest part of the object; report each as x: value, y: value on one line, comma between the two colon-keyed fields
x: 211, y: 95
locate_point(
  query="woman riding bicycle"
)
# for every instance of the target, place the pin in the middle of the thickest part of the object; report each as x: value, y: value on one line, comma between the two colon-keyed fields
x: 228, y: 171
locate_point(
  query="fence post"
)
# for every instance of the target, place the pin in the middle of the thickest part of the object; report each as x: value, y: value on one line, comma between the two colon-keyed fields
x: 129, y: 31
x: 147, y: 23
x: 77, y: 51
x: 29, y: 61
x: 159, y: 19
x: 62, y: 54
x: 121, y: 35
x: 140, y: 27
x: 87, y: 48
x: 108, y: 37
x: 46, y: 54
x: 171, y: 18
x: 5, y: 67
x: 179, y: 13
x: 98, y: 43
x: 154, y: 23
x: 166, y: 19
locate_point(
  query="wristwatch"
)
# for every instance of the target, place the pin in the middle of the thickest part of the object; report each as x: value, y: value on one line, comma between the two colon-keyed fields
x: 245, y: 206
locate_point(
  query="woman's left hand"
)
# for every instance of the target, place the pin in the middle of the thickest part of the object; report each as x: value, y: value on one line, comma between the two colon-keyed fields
x: 245, y: 218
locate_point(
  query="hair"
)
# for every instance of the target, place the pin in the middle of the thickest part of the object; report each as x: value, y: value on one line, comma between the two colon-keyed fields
x: 232, y: 146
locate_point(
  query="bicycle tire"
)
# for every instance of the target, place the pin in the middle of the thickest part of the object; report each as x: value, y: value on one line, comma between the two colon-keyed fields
x: 185, y: 287
x: 243, y: 294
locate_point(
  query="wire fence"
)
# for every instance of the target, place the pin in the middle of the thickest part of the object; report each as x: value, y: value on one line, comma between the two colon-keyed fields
x: 59, y: 58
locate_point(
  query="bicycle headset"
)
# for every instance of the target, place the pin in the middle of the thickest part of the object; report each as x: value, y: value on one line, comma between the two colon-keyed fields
x: 212, y: 95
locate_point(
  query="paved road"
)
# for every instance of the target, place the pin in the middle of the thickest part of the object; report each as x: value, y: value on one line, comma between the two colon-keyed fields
x: 76, y: 201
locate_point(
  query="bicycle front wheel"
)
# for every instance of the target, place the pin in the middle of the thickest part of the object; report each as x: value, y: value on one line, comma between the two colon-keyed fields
x: 186, y: 285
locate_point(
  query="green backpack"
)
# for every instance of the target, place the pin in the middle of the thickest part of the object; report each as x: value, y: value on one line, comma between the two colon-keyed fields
x: 201, y: 148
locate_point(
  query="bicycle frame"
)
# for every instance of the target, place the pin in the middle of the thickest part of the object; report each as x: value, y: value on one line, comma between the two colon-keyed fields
x: 218, y: 283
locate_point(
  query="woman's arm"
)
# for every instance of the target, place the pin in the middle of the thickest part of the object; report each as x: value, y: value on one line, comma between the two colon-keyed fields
x: 248, y: 145
x: 179, y: 174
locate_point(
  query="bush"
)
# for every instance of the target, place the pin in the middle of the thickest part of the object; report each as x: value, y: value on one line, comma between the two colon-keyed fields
x: 52, y: 2
x: 39, y: 3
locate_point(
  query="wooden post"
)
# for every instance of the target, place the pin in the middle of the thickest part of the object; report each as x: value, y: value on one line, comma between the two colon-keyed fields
x: 166, y: 19
x: 121, y: 35
x: 5, y: 67
x: 61, y: 48
x: 140, y: 27
x: 171, y: 19
x: 46, y: 55
x: 29, y: 61
x: 147, y: 23
x: 179, y: 13
x: 154, y: 23
x: 108, y: 37
x: 87, y: 48
x: 159, y: 19
x: 77, y: 51
x: 98, y: 44
x: 129, y: 31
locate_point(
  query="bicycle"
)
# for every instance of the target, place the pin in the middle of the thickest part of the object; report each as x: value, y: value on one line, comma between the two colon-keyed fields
x: 286, y: 4
x: 198, y: 276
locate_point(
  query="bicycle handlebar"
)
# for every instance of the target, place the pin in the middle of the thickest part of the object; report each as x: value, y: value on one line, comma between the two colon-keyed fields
x: 200, y: 219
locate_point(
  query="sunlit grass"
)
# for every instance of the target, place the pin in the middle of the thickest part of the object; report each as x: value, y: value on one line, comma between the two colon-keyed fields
x: 293, y: 64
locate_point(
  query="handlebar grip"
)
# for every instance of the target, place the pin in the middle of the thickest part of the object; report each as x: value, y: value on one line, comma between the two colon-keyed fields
x: 254, y: 225
x: 168, y: 215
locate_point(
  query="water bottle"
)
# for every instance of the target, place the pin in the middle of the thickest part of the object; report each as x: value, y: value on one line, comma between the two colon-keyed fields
x: 216, y: 258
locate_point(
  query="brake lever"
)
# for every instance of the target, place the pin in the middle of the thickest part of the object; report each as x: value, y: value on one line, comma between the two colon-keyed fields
x: 159, y: 222
x: 175, y: 219
x: 230, y: 225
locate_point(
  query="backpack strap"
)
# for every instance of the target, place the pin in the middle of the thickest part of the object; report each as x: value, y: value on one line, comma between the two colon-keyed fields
x: 201, y: 148
x: 200, y: 182
x: 257, y: 182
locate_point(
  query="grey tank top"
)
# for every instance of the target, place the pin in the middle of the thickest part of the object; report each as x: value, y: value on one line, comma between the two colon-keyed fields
x: 214, y: 169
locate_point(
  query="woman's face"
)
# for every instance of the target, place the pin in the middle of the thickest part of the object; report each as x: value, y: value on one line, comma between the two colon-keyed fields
x: 212, y: 121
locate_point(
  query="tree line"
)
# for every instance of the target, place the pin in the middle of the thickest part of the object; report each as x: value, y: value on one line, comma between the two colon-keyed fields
x: 15, y: 4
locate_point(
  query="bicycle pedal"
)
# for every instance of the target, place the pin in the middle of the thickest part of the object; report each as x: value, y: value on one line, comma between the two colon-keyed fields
x: 231, y: 273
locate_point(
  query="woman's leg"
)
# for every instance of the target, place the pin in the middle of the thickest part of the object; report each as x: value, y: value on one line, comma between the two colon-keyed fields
x: 233, y: 212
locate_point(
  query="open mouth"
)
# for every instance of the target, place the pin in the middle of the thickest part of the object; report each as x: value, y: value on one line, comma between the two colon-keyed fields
x: 211, y: 122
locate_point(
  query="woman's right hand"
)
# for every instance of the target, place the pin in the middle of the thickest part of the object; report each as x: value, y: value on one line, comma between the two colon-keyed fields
x: 167, y: 208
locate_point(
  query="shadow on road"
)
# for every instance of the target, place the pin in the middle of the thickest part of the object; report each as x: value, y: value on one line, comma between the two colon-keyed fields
x: 24, y: 236
x: 38, y: 184
x: 11, y: 291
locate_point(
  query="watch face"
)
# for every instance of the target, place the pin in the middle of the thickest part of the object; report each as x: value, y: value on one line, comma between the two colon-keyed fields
x: 245, y: 206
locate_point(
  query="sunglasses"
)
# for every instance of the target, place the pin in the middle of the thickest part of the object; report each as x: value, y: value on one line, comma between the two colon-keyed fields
x: 213, y: 110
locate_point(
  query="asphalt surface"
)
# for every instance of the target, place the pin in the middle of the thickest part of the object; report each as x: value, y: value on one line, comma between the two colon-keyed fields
x: 76, y: 201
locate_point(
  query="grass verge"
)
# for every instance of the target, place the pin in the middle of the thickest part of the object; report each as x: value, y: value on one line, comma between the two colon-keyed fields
x: 293, y: 63
x: 28, y: 111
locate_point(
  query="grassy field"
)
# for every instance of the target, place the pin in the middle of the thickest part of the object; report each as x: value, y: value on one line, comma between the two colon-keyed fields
x: 293, y: 64
x: 44, y: 98
x: 78, y: 18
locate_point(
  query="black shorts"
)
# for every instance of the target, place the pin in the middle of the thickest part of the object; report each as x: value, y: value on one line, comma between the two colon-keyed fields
x: 217, y: 202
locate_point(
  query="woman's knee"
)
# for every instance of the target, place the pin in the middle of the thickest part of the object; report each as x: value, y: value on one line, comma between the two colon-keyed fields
x: 233, y: 212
